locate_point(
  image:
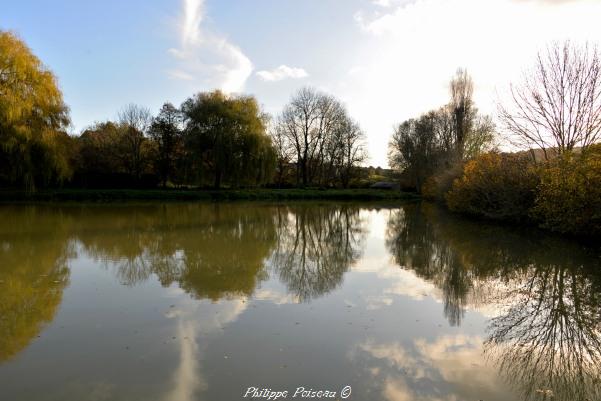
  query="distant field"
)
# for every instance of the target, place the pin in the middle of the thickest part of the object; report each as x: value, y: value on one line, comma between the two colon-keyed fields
x: 102, y: 195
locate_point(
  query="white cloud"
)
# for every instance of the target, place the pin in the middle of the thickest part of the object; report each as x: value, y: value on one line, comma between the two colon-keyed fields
x: 382, y: 3
x: 194, y: 319
x: 417, y: 371
x: 205, y: 57
x: 275, y: 296
x: 282, y: 72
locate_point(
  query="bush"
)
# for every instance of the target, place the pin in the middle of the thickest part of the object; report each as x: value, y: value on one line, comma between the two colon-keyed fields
x: 569, y: 194
x: 495, y: 186
x: 440, y: 183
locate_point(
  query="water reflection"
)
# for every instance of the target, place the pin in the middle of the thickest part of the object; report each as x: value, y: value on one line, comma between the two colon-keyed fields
x: 415, y: 243
x: 549, y: 338
x: 257, y: 269
x: 447, y: 368
x: 544, y: 295
x: 33, y: 275
x: 221, y: 250
x: 316, y: 246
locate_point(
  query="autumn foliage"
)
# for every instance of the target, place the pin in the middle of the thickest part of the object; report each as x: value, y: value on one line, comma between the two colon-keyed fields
x: 496, y: 186
x: 568, y: 199
x: 562, y: 195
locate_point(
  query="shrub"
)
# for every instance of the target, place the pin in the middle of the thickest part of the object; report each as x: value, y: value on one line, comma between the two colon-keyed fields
x: 440, y: 183
x: 569, y: 194
x: 495, y: 186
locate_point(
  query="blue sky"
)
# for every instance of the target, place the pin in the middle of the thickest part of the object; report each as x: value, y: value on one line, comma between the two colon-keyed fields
x: 388, y: 60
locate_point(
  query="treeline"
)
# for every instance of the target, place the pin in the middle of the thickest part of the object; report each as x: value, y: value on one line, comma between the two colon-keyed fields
x: 554, y: 114
x: 212, y: 139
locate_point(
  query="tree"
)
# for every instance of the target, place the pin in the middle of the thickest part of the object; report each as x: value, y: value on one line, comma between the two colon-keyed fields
x: 300, y: 122
x: 33, y: 118
x: 98, y: 152
x: 135, y: 122
x: 284, y: 151
x: 226, y: 134
x: 431, y: 147
x: 353, y: 151
x: 414, y: 148
x: 462, y: 109
x: 166, y: 132
x: 317, y: 127
x: 557, y: 107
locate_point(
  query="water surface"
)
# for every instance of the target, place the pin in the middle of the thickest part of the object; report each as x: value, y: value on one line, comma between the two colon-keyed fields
x: 182, y: 302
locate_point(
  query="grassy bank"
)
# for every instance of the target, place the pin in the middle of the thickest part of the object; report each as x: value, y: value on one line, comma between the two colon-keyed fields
x: 94, y: 195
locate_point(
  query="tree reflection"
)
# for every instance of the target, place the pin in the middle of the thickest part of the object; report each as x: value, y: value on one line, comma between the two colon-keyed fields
x: 413, y: 241
x: 545, y: 294
x: 34, y: 253
x: 316, y: 246
x: 211, y: 250
x: 549, y: 338
x: 220, y: 250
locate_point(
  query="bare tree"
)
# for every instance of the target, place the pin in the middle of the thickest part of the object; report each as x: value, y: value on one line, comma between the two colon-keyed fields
x: 558, y: 105
x: 310, y: 123
x: 135, y: 121
x: 353, y: 150
x: 300, y: 122
x: 283, y: 148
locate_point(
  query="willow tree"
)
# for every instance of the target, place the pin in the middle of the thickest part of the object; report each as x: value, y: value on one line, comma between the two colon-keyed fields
x: 33, y: 118
x: 226, y: 136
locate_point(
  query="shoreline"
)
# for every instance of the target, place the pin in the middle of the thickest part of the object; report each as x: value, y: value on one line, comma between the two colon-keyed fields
x: 120, y: 195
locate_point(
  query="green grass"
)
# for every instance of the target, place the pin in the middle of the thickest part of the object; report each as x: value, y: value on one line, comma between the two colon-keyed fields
x: 102, y: 195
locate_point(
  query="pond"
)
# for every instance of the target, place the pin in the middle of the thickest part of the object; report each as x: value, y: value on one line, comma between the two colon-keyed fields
x: 233, y: 301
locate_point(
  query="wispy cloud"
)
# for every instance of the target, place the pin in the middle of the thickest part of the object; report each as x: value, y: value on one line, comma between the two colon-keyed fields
x: 282, y: 72
x: 205, y: 57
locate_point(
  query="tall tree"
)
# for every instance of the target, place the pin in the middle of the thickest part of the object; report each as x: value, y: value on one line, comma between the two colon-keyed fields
x: 33, y: 118
x: 98, y: 157
x: 284, y: 151
x: 317, y: 127
x: 462, y: 109
x: 166, y: 132
x: 415, y: 148
x: 301, y: 122
x: 442, y: 139
x: 135, y: 122
x: 348, y: 142
x: 227, y: 135
x: 557, y: 107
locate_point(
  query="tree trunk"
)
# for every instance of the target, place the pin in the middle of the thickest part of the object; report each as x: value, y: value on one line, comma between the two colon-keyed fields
x: 217, y: 178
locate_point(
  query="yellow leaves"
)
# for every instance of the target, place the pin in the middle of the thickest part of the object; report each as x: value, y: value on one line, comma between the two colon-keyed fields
x: 569, y: 195
x: 498, y: 186
x: 32, y: 116
x: 30, y: 97
x: 563, y: 195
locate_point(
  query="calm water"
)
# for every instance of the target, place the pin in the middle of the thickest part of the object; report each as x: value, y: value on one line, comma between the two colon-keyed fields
x: 202, y: 301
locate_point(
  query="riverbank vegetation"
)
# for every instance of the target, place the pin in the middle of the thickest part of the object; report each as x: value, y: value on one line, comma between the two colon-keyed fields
x: 552, y: 122
x: 550, y: 176
x: 212, y: 140
x: 267, y: 194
